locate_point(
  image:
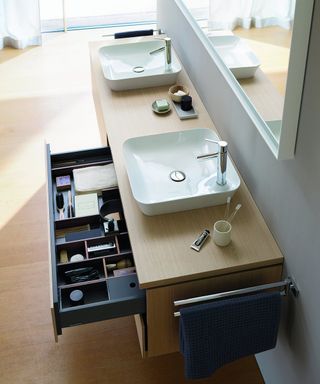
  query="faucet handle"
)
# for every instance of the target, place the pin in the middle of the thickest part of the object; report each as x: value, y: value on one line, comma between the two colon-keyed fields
x: 162, y: 38
x: 166, y: 47
x: 221, y: 156
x: 223, y: 145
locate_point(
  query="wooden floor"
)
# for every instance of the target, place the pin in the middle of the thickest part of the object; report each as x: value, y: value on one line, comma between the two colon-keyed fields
x: 45, y: 95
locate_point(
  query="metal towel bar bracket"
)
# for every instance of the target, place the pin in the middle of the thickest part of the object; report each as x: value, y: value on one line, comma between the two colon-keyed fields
x: 287, y: 285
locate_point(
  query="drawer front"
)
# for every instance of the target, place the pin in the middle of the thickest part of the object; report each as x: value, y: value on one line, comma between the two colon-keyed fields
x: 93, y: 275
x: 163, y: 327
x: 54, y: 302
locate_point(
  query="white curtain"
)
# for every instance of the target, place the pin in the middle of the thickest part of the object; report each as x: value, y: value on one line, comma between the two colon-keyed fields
x: 228, y: 14
x: 19, y: 23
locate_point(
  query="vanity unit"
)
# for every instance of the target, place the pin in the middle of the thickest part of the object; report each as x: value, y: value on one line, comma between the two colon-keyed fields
x: 167, y: 269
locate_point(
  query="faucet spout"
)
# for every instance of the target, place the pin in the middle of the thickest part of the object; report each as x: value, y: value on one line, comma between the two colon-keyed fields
x: 222, y: 156
x: 167, y: 51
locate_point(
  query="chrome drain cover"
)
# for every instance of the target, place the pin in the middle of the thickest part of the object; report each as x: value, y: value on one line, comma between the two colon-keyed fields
x: 138, y: 69
x: 177, y: 176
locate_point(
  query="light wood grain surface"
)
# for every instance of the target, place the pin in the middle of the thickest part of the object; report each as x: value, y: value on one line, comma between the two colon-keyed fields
x: 45, y: 93
x: 266, y: 90
x: 264, y: 96
x: 161, y: 244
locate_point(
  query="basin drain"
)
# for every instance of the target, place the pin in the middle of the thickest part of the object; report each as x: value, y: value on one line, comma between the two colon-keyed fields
x: 177, y: 176
x: 138, y: 69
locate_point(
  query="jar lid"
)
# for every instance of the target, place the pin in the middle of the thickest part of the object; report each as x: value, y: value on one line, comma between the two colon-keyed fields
x: 77, y: 257
x: 76, y: 296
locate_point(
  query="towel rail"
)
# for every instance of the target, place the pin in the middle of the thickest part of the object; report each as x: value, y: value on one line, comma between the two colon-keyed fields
x: 288, y: 285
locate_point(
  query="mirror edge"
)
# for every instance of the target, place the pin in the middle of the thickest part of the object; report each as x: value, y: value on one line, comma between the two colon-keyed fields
x: 261, y: 125
x: 295, y: 79
x: 284, y: 148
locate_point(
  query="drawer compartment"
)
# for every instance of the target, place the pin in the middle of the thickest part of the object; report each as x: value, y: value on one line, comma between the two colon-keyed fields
x: 93, y: 275
x: 105, y: 300
x: 92, y: 294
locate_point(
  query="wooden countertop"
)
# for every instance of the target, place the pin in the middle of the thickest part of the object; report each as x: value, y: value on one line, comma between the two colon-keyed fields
x: 161, y: 244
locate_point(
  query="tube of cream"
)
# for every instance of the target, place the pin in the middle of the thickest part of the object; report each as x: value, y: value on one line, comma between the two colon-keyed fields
x: 198, y: 243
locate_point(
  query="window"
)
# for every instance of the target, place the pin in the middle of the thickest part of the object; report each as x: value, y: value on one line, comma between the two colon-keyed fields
x: 81, y: 14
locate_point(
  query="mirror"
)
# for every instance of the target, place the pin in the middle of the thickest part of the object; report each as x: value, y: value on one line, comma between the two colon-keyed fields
x: 261, y: 47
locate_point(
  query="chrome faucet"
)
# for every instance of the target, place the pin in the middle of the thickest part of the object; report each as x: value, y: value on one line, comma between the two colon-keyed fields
x: 167, y: 51
x: 221, y: 156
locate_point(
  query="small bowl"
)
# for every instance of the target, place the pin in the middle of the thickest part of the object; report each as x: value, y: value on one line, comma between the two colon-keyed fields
x: 110, y: 207
x: 176, y: 88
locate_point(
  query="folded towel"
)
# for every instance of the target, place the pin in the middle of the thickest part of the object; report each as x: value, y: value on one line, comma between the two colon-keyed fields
x: 143, y: 32
x: 94, y: 178
x: 219, y: 332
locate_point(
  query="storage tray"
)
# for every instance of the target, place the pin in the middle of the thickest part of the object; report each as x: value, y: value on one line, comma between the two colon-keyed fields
x: 106, y: 274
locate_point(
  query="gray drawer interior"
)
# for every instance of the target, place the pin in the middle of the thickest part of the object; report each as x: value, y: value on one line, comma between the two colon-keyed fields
x: 101, y: 283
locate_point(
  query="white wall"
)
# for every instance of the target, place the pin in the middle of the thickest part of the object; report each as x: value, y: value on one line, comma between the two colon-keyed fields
x: 286, y: 192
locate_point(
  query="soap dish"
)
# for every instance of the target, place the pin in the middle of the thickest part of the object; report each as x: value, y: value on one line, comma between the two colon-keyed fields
x: 156, y: 110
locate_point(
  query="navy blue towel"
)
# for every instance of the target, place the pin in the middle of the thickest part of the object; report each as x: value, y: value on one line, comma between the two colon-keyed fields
x: 222, y: 331
x: 144, y: 32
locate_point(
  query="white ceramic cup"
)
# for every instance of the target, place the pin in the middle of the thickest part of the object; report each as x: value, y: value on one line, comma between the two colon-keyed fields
x: 222, y: 233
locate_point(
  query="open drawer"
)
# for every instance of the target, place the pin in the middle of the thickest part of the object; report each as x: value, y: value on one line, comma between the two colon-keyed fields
x: 93, y: 274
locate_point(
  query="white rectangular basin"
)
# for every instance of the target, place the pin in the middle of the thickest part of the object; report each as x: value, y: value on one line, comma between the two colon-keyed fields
x: 236, y: 54
x: 150, y: 161
x: 130, y: 66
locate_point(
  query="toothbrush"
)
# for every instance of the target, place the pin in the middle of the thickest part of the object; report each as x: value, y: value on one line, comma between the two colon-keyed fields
x: 231, y: 217
x: 70, y: 206
x: 227, y: 208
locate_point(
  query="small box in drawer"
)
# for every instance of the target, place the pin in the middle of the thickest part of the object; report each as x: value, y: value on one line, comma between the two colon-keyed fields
x: 124, y: 286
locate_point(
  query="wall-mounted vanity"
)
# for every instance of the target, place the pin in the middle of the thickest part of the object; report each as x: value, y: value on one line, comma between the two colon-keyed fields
x: 274, y: 116
x: 157, y: 247
x: 167, y: 268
